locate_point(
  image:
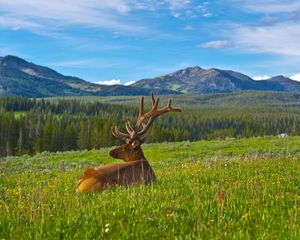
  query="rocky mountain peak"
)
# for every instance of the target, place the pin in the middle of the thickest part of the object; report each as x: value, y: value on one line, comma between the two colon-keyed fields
x: 12, y: 61
x: 186, y: 73
x: 19, y: 64
x: 279, y: 78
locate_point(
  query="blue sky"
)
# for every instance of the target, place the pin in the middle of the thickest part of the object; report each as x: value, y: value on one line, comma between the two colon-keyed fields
x: 127, y: 40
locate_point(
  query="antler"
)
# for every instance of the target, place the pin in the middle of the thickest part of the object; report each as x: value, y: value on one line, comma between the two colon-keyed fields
x: 115, y: 131
x: 133, y: 131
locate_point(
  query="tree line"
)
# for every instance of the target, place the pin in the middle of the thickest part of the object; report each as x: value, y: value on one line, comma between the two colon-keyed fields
x: 29, y: 126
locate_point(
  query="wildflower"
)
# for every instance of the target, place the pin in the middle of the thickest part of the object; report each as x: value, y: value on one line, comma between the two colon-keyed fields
x: 220, y: 197
x: 106, y: 228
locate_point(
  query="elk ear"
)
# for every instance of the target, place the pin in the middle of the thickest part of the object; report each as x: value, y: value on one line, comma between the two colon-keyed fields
x: 135, y: 144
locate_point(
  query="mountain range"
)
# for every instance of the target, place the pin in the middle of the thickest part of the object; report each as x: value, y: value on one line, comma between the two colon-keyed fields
x: 21, y: 78
x: 199, y: 80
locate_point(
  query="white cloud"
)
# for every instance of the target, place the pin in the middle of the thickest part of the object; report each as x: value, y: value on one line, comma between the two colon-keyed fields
x: 72, y: 63
x: 109, y: 82
x: 202, y: 9
x: 16, y: 23
x: 113, y: 15
x: 275, y: 31
x: 114, y: 82
x: 268, y: 6
x: 30, y: 14
x: 215, y: 44
x: 177, y: 4
x: 84, y: 63
x: 295, y: 77
x: 129, y: 83
x: 264, y: 77
x: 281, y: 39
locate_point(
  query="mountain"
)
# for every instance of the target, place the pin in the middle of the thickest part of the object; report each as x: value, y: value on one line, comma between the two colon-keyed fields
x: 199, y: 80
x: 283, y: 84
x: 21, y: 78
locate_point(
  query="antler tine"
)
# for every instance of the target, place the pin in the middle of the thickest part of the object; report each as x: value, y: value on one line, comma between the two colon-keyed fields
x: 129, y: 126
x: 133, y: 131
x: 141, y: 113
x: 115, y: 131
x: 155, y: 112
x: 152, y: 98
x: 130, y: 129
x: 146, y: 126
x: 142, y: 117
x: 170, y: 108
x: 155, y: 105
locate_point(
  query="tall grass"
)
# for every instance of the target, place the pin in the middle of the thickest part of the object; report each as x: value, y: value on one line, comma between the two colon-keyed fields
x: 233, y: 189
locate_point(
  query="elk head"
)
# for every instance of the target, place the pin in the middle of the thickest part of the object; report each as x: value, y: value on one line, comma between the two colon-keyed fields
x: 136, y: 134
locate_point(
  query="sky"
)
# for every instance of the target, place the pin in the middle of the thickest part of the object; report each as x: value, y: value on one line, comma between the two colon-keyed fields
x: 122, y: 41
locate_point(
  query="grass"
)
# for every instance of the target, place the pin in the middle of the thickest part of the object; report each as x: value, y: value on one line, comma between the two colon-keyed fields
x: 243, y: 99
x: 19, y: 114
x: 232, y: 189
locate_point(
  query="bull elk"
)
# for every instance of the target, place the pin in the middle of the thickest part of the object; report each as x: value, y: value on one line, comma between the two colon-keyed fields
x: 136, y: 169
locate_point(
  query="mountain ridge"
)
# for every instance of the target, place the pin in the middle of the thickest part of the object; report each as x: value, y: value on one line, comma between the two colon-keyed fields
x: 19, y: 77
x: 199, y: 80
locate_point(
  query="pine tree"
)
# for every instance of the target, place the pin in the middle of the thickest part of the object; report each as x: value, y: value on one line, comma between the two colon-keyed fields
x: 9, y: 150
x: 20, y: 144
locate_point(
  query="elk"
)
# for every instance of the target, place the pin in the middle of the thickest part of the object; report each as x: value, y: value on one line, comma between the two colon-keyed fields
x: 135, y: 169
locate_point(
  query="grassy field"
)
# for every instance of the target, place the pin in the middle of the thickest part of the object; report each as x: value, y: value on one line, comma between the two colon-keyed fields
x: 244, y: 99
x: 232, y: 189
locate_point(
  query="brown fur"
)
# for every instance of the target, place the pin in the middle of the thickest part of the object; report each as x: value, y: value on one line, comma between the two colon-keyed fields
x: 135, y: 170
x: 123, y: 174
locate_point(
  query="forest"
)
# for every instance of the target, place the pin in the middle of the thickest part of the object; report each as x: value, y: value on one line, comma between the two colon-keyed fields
x: 30, y: 126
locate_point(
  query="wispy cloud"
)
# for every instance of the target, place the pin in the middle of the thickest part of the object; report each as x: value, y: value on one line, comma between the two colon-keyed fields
x: 72, y: 63
x: 276, y: 30
x: 17, y: 23
x: 215, y: 44
x: 113, y: 15
x: 268, y: 6
x: 30, y: 14
x: 84, y: 63
x: 280, y: 39
x: 110, y: 82
x: 188, y: 9
x: 177, y: 4
x: 264, y: 77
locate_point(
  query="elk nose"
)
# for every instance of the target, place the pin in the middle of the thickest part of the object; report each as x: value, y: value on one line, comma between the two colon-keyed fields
x: 113, y: 153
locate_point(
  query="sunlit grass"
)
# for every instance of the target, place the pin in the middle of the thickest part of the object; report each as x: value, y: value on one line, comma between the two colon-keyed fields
x: 233, y: 189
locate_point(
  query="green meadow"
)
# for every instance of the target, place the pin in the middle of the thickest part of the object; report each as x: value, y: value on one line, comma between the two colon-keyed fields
x: 222, y: 189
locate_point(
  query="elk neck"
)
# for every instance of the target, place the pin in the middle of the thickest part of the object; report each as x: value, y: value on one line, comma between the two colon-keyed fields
x: 137, y: 155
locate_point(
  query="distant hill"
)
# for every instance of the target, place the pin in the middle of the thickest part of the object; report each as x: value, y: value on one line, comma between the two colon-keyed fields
x: 214, y: 101
x: 199, y: 80
x: 21, y: 78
